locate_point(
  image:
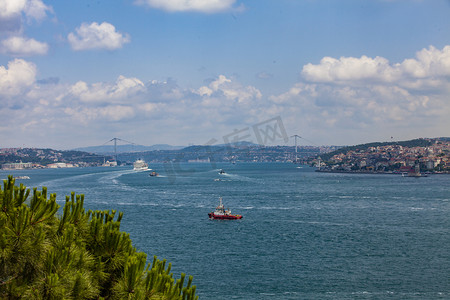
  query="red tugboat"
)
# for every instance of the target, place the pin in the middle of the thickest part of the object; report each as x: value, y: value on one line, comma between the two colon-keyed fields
x: 221, y: 213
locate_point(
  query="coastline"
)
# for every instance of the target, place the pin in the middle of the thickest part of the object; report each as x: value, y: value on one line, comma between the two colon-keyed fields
x: 380, y: 173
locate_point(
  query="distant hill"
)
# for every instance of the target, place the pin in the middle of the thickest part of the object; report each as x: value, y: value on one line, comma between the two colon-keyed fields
x: 130, y: 148
x: 242, y: 144
x: 49, y: 156
x: 109, y: 149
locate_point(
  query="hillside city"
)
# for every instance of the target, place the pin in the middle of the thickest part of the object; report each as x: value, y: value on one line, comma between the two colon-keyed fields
x: 424, y: 155
x: 433, y: 157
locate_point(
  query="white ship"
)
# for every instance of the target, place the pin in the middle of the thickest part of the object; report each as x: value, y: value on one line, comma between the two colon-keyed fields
x: 140, y: 165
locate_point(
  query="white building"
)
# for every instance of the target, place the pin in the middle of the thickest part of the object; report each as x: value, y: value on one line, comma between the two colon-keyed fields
x: 17, y: 166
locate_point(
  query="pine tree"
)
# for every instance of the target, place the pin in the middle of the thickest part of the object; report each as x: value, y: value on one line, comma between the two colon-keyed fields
x: 77, y: 255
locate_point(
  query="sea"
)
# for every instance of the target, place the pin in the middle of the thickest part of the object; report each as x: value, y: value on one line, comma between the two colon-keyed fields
x: 303, y: 235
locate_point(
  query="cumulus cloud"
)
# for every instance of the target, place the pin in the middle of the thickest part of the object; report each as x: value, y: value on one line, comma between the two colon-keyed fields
x: 17, y: 77
x: 230, y: 89
x: 354, y: 105
x: 343, y: 100
x: 21, y: 46
x: 372, y: 95
x: 429, y: 64
x: 97, y: 36
x: 13, y: 13
x: 203, y: 6
x: 355, y: 114
x: 140, y: 108
x: 34, y: 9
x: 350, y: 69
x: 119, y: 91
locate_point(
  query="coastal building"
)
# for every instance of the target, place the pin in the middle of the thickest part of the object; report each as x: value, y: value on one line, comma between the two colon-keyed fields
x: 110, y: 164
x: 60, y: 165
x: 430, y: 164
x: 199, y: 160
x: 17, y: 166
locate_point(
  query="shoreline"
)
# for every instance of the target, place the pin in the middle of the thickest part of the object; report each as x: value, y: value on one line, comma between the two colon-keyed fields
x: 379, y: 173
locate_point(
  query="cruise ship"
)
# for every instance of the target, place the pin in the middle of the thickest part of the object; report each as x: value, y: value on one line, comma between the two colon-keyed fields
x: 140, y: 165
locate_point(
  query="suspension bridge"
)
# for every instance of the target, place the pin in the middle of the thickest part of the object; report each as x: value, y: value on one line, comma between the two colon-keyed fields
x: 115, y: 145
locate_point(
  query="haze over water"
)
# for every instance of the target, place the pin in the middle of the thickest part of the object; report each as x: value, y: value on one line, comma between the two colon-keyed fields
x: 304, y: 235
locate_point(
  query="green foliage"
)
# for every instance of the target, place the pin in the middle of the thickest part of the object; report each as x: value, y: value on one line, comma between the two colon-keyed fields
x: 77, y: 255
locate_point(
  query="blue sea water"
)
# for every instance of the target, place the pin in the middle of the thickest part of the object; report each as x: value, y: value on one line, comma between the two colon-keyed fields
x: 304, y: 235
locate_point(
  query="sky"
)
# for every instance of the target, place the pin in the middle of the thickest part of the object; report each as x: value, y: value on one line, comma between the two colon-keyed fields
x: 181, y: 72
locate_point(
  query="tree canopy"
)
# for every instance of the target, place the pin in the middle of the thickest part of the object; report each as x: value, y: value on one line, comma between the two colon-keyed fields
x: 78, y: 254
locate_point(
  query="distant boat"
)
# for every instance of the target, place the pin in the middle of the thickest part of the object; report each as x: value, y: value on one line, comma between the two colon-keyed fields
x: 221, y: 213
x: 222, y: 171
x: 140, y: 165
x: 153, y: 174
x: 22, y: 177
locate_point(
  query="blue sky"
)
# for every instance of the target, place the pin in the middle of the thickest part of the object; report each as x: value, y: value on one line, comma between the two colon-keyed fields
x: 77, y: 73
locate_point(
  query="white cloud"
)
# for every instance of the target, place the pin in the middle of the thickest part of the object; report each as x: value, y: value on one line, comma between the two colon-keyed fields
x: 34, y: 9
x: 230, y: 89
x: 429, y: 62
x: 156, y: 108
x: 408, y: 99
x: 337, y: 114
x: 423, y: 70
x: 350, y: 69
x: 370, y: 96
x: 14, y: 13
x: 148, y: 107
x: 10, y: 8
x: 204, y: 6
x: 120, y: 91
x: 17, y: 77
x: 21, y: 46
x: 97, y: 36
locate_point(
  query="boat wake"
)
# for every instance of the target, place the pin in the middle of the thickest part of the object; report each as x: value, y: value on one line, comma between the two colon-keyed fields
x: 112, y: 177
x: 235, y: 177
